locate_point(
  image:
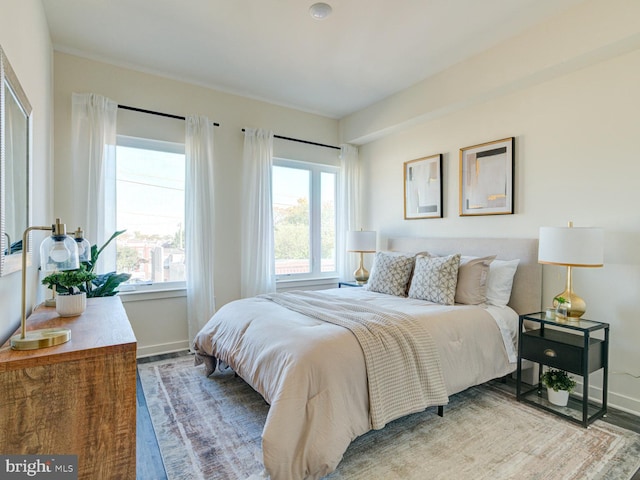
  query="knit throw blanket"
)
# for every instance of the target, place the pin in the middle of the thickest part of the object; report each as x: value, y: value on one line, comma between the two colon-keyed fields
x: 402, y: 361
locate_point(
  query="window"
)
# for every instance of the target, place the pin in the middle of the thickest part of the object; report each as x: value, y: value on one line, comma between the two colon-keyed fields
x: 304, y: 217
x: 150, y: 179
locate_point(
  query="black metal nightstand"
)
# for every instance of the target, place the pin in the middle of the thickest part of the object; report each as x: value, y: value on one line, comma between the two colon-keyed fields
x: 348, y: 284
x: 566, y: 345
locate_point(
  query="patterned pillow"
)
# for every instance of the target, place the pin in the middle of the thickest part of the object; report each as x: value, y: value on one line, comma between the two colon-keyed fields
x: 435, y: 278
x: 390, y: 273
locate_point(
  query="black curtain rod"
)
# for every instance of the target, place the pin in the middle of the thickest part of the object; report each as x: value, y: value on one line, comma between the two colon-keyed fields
x: 305, y: 141
x: 160, y: 114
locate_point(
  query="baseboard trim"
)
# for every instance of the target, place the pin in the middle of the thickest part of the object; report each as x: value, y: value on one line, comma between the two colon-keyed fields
x: 615, y: 400
x: 159, y: 349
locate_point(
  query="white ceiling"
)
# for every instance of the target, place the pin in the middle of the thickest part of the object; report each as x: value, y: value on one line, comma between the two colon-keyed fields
x: 273, y: 50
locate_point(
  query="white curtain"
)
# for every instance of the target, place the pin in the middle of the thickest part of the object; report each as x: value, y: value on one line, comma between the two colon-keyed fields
x: 93, y: 123
x: 257, y: 244
x: 200, y: 222
x: 348, y: 212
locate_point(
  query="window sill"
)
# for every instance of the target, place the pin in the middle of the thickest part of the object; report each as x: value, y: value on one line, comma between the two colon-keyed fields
x: 157, y: 294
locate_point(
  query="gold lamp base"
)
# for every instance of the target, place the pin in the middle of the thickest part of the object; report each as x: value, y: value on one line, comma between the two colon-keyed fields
x: 576, y: 306
x: 47, y: 337
x: 361, y: 274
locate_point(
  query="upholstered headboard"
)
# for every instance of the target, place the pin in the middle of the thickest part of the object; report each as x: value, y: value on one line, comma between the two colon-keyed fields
x: 526, y: 294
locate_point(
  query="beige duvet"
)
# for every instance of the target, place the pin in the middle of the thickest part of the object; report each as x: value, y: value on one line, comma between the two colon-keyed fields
x: 313, y: 373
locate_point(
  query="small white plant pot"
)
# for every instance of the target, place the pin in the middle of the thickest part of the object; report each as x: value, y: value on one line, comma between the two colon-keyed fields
x: 560, y: 398
x: 71, y: 305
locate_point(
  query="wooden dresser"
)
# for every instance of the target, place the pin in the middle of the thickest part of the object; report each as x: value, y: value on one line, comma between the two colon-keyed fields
x: 78, y: 398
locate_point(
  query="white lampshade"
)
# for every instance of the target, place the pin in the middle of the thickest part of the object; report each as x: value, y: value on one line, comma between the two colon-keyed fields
x: 571, y: 246
x: 361, y: 241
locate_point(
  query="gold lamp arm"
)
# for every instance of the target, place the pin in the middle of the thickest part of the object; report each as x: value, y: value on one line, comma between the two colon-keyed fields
x: 25, y: 252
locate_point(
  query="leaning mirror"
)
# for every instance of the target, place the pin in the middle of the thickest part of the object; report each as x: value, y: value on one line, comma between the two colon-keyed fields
x: 15, y: 157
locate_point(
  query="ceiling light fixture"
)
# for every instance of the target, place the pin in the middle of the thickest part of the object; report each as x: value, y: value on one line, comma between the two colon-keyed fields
x: 320, y: 11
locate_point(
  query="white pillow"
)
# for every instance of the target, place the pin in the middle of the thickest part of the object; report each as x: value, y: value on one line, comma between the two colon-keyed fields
x: 500, y: 281
x: 435, y: 278
x: 390, y: 273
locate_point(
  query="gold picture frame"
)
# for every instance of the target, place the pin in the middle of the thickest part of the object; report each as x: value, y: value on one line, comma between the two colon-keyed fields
x: 423, y: 188
x: 487, y: 178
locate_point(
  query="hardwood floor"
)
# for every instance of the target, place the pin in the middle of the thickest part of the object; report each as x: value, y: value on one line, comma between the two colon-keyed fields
x: 149, y: 464
x: 149, y: 461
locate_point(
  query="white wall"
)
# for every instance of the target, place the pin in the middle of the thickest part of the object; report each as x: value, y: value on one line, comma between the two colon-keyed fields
x: 576, y: 131
x: 160, y: 325
x: 24, y: 37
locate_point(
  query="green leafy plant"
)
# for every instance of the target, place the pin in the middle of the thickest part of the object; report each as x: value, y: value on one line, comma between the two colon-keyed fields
x: 558, y: 380
x: 85, y: 280
x: 69, y: 281
x: 106, y: 284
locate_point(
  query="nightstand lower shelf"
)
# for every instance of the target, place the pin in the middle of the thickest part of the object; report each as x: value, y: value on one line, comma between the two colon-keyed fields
x: 573, y: 411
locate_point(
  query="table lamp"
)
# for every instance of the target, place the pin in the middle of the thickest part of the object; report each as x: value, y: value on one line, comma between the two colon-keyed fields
x: 361, y: 242
x: 84, y: 247
x: 57, y: 252
x: 571, y: 247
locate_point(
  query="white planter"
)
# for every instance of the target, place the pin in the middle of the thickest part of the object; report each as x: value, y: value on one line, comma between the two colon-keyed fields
x: 71, y: 305
x: 560, y: 398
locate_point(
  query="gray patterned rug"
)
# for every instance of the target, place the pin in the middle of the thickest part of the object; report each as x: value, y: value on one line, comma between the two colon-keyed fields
x: 209, y: 428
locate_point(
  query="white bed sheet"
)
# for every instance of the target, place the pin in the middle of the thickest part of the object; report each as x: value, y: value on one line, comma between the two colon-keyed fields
x: 507, y: 320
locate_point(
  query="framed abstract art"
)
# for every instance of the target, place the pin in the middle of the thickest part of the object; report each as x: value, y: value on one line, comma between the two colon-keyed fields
x: 486, y: 178
x: 423, y: 188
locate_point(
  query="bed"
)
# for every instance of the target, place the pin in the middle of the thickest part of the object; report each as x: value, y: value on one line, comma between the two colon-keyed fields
x: 328, y: 381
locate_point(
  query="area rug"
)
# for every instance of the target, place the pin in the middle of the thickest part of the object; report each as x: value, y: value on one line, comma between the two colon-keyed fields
x: 210, y: 428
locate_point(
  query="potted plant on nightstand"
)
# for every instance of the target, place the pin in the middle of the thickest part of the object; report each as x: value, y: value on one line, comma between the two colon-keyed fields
x: 71, y: 287
x: 559, y: 384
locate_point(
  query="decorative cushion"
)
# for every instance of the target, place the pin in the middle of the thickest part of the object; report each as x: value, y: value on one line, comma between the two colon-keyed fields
x: 500, y: 281
x: 390, y: 273
x: 416, y: 255
x: 472, y: 280
x: 435, y: 278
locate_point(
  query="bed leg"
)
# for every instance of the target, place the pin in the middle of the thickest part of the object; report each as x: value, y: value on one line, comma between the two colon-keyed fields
x: 440, y: 410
